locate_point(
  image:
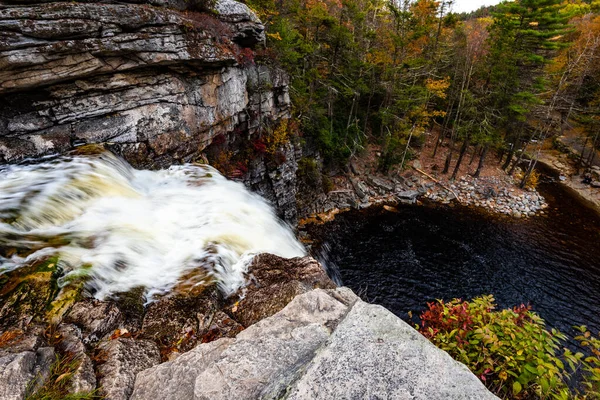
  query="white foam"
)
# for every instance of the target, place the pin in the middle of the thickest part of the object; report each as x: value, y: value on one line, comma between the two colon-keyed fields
x: 137, y: 228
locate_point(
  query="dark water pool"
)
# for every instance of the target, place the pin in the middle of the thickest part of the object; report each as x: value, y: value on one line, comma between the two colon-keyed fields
x: 404, y: 260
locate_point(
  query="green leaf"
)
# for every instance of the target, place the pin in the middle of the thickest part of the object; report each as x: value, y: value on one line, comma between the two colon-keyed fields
x: 544, y: 384
x: 531, y: 369
x: 517, y: 388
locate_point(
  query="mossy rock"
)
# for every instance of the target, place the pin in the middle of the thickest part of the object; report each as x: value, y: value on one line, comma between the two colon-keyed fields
x: 63, y: 302
x: 27, y: 292
x: 32, y: 294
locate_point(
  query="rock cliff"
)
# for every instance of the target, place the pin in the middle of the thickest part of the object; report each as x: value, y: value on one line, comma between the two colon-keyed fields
x: 156, y: 83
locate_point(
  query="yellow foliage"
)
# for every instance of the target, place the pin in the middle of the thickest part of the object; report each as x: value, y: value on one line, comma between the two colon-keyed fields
x: 437, y: 113
x: 438, y: 87
x: 274, y: 36
x: 223, y: 162
x: 532, y: 180
x: 278, y: 138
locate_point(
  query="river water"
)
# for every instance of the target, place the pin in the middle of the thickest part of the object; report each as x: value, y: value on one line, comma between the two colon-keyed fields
x: 404, y: 260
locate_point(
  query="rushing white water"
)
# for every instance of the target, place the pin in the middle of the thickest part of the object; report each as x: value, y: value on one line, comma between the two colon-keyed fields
x: 126, y: 228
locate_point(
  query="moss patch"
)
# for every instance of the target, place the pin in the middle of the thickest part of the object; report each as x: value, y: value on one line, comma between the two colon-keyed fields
x: 27, y: 292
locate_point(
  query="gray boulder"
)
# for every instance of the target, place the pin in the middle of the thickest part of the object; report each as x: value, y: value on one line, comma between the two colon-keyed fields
x: 124, y: 358
x: 407, y: 196
x: 325, y: 344
x: 16, y: 371
x: 22, y: 373
x: 375, y: 355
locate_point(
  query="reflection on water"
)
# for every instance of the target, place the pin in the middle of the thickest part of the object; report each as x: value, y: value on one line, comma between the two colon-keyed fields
x: 403, y: 260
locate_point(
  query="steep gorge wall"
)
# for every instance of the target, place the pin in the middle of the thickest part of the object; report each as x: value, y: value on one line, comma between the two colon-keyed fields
x: 155, y: 83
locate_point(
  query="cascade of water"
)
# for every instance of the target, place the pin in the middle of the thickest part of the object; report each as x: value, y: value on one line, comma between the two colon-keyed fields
x: 125, y: 228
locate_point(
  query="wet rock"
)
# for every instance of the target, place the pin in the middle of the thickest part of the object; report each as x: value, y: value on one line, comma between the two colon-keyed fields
x: 273, y: 283
x: 516, y: 214
x: 124, y: 359
x: 131, y: 306
x: 219, y: 326
x: 95, y: 318
x: 364, y: 205
x: 178, y: 321
x: 17, y: 340
x: 25, y: 294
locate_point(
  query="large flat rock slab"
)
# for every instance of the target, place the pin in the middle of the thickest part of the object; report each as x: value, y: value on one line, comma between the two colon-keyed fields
x: 262, y: 360
x: 325, y: 344
x: 375, y: 355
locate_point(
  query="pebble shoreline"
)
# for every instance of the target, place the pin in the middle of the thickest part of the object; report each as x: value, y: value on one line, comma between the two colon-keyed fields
x: 494, y: 194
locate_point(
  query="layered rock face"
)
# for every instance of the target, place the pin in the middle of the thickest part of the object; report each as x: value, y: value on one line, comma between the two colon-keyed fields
x: 156, y: 84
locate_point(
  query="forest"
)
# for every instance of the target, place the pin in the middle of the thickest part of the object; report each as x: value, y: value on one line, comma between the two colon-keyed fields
x: 502, y: 79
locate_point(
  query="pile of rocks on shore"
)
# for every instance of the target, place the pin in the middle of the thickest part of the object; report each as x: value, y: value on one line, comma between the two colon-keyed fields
x: 495, y: 194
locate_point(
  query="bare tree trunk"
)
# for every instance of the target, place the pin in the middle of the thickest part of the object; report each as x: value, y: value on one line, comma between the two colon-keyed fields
x: 593, y: 152
x: 481, y: 161
x: 518, y: 160
x: 407, y: 146
x: 449, y: 157
x: 509, y: 158
x: 463, y: 150
x: 501, y: 154
x: 526, y: 176
x: 440, y: 138
x: 476, y: 150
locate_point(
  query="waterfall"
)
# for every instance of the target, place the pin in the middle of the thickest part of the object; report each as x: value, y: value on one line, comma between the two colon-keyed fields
x: 123, y: 228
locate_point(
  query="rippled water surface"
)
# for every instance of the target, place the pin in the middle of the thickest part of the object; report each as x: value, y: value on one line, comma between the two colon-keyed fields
x: 403, y: 260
